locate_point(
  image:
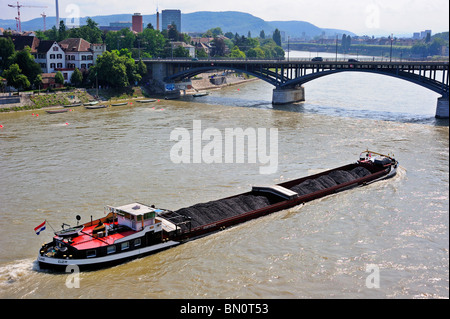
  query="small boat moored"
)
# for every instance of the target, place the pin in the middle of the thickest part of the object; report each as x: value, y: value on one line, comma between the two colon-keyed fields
x: 73, y: 105
x: 119, y: 104
x: 146, y: 101
x: 90, y: 103
x: 136, y: 229
x: 93, y: 107
x: 200, y: 94
x: 57, y: 111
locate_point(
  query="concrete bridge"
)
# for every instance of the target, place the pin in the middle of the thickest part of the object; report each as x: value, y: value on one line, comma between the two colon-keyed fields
x: 288, y: 75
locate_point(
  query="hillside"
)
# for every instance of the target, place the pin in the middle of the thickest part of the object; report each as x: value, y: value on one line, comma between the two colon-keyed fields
x: 228, y: 21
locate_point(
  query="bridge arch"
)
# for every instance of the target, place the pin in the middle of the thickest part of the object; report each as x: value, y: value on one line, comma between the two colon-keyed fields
x: 430, y: 84
x: 283, y: 81
x: 269, y: 76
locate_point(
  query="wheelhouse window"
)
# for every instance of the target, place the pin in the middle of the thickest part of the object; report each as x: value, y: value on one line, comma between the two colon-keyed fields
x: 111, y: 249
x: 137, y: 242
x: 91, y: 253
x: 125, y: 245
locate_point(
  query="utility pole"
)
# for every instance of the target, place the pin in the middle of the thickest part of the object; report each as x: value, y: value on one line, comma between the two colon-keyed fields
x: 392, y: 40
x: 336, y: 45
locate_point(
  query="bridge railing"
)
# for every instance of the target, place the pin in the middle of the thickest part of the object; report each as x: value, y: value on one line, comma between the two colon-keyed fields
x: 293, y: 60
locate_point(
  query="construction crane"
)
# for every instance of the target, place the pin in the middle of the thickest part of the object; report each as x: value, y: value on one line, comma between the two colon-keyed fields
x: 18, y: 6
x: 43, y: 15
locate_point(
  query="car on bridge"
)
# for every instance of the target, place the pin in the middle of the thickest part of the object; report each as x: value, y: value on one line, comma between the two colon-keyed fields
x: 317, y: 59
x: 352, y: 60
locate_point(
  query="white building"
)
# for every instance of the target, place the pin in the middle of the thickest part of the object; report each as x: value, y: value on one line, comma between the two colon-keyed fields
x: 50, y: 56
x: 80, y: 54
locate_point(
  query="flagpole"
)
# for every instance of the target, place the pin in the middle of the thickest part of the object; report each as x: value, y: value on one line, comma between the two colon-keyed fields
x: 50, y: 225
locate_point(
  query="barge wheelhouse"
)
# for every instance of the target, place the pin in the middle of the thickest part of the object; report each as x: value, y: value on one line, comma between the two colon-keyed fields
x: 126, y: 232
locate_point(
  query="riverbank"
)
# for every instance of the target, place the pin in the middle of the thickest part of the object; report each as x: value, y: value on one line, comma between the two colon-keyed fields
x: 204, y: 81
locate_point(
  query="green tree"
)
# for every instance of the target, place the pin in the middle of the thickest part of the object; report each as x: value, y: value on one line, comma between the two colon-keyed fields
x: 77, y: 77
x: 236, y: 53
x: 262, y: 34
x: 109, y: 70
x: 229, y: 35
x: 172, y: 32
x: 26, y: 63
x: 218, y: 47
x: 152, y: 42
x: 141, y: 68
x: 181, y: 52
x: 37, y: 83
x: 59, y: 78
x: 200, y: 53
x: 212, y: 33
x: 120, y: 39
x: 6, y: 51
x: 15, y: 78
x: 62, y: 31
x: 256, y: 53
x: 277, y: 37
x: 90, y: 32
x: 117, y: 69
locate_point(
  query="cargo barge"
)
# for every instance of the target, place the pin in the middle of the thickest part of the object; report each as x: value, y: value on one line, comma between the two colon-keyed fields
x: 135, y: 230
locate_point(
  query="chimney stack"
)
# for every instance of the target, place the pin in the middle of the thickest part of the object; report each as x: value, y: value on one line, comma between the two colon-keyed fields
x: 57, y: 14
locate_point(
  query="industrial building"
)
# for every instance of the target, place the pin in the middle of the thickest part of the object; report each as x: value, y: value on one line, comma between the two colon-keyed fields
x: 171, y: 17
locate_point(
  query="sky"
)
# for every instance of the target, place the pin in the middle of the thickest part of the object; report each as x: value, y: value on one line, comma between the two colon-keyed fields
x: 371, y: 17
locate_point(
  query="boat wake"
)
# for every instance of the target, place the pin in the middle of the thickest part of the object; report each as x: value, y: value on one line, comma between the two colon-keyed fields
x: 16, y: 271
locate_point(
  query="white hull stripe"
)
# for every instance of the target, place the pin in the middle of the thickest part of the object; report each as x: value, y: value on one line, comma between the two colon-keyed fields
x: 109, y: 258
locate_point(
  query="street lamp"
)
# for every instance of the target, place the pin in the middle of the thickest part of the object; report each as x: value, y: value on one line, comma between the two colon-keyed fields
x: 392, y: 40
x: 288, y: 47
x: 336, y: 45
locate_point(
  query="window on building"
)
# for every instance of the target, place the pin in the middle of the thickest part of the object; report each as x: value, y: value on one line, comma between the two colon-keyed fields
x: 83, y: 57
x: 52, y: 56
x: 55, y: 48
x: 52, y: 65
x: 43, y: 65
x: 83, y: 66
x: 65, y: 76
x: 59, y: 56
x: 73, y: 57
x: 89, y: 57
x: 59, y: 65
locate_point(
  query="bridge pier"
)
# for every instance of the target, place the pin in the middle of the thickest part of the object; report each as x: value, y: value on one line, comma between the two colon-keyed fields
x: 285, y: 96
x: 442, y: 108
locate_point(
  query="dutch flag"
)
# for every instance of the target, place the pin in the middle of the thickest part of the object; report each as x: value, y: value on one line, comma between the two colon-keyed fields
x: 40, y: 228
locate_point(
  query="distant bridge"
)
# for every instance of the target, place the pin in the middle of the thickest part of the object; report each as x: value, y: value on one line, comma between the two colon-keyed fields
x: 288, y: 75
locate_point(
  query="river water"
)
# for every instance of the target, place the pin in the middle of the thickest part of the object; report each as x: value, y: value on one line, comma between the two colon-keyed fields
x: 387, y: 240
